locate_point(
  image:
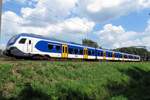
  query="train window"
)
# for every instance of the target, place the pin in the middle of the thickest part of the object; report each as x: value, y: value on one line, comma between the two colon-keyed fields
x: 57, y: 48
x: 109, y: 54
x: 63, y: 49
x: 29, y: 41
x: 117, y: 55
x: 81, y: 51
x: 125, y: 56
x: 131, y: 57
x: 75, y: 51
x: 22, y: 41
x: 134, y: 57
x: 93, y: 52
x: 98, y: 53
x: 120, y: 55
x: 12, y: 40
x: 101, y: 53
x: 70, y: 51
x: 50, y: 46
x: 89, y: 52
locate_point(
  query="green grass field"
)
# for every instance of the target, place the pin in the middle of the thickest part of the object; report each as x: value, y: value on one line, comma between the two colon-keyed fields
x: 35, y: 80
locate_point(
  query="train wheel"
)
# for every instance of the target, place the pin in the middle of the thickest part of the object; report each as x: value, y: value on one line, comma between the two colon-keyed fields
x: 37, y: 57
x: 46, y: 57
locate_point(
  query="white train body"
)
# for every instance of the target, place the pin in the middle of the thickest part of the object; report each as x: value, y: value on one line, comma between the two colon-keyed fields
x: 30, y: 45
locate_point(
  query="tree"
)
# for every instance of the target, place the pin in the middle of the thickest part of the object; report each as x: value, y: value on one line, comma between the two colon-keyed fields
x: 0, y: 52
x: 87, y: 42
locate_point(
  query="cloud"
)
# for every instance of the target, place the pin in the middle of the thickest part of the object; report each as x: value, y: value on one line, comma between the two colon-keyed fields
x: 144, y: 3
x: 71, y: 29
x: 53, y: 11
x: 116, y: 36
x: 70, y: 19
x: 48, y: 11
x: 103, y: 10
x: 10, y: 25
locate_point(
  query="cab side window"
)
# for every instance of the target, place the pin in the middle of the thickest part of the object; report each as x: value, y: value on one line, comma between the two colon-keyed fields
x: 22, y: 41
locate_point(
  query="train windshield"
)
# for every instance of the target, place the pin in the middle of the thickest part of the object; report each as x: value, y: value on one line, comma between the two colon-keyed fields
x: 12, y: 40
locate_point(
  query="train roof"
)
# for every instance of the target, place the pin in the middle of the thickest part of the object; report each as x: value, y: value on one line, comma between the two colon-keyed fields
x: 72, y: 43
x: 42, y: 37
x: 52, y: 39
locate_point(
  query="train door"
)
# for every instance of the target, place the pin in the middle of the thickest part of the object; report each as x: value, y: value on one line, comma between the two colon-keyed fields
x: 104, y: 55
x: 64, y: 51
x: 29, y: 46
x: 113, y: 56
x: 123, y: 57
x: 85, y: 52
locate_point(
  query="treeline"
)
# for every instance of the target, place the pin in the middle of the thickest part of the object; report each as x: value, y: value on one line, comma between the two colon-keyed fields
x: 142, y: 52
x: 91, y: 43
x: 1, y: 52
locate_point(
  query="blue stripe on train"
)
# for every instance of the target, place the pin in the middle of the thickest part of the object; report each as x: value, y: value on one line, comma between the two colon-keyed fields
x: 43, y: 46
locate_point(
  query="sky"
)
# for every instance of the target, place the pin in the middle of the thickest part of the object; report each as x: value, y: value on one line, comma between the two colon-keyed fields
x: 110, y: 23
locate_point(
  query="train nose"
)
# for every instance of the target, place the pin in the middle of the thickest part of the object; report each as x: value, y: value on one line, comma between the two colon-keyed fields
x: 15, y: 52
x: 7, y: 52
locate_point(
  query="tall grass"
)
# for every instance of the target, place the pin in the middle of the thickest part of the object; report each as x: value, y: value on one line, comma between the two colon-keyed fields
x: 29, y: 80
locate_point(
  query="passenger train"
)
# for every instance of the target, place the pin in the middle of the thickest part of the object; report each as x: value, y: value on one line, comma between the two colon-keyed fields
x: 34, y: 46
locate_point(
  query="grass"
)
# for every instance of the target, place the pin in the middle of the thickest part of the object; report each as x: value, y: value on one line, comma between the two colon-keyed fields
x: 35, y: 80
